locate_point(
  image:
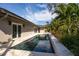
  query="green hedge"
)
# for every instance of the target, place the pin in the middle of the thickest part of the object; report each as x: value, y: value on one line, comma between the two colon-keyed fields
x: 71, y: 42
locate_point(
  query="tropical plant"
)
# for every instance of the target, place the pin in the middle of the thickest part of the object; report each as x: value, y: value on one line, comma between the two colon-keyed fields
x: 66, y: 25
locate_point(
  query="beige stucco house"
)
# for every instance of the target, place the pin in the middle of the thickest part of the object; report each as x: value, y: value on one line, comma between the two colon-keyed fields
x: 13, y: 26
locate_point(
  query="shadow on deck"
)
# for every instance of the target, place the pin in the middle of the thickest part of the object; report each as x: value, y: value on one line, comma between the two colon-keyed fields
x: 7, y: 48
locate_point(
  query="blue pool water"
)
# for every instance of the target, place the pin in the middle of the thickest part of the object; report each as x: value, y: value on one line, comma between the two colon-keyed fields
x: 37, y: 43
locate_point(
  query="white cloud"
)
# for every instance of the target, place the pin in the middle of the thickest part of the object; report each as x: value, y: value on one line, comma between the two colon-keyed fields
x: 43, y: 15
x: 36, y: 17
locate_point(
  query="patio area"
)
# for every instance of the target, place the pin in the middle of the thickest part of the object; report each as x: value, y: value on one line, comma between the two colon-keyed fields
x: 44, y: 45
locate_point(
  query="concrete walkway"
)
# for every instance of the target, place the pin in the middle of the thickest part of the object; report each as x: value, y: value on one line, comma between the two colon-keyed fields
x: 19, y: 40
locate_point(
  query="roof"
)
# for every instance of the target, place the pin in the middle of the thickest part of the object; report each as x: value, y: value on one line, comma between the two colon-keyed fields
x: 13, y: 14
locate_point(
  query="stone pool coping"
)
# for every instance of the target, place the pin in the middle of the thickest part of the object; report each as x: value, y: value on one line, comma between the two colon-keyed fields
x: 14, y: 52
x: 59, y: 48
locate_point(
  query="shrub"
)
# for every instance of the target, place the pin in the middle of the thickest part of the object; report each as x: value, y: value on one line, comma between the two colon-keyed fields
x: 71, y: 42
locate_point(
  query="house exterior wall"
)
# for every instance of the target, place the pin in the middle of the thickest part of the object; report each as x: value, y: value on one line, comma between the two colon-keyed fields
x: 42, y: 30
x: 6, y: 29
x: 27, y: 30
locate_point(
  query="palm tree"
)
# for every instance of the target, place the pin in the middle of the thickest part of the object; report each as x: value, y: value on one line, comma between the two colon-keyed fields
x: 67, y: 13
x: 67, y: 23
x: 68, y: 16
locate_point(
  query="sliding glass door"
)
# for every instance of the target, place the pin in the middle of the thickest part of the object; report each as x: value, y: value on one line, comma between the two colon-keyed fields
x: 19, y: 30
x: 16, y: 31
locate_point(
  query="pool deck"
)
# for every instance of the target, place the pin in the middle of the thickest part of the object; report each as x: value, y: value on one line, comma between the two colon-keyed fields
x: 59, y: 48
x: 13, y: 52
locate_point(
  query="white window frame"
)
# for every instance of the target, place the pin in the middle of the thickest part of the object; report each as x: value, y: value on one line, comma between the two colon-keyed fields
x: 17, y: 28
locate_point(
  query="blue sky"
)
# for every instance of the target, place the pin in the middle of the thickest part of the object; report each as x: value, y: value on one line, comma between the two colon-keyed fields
x: 36, y: 13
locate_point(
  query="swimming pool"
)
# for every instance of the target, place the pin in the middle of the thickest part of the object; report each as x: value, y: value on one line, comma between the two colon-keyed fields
x: 38, y: 43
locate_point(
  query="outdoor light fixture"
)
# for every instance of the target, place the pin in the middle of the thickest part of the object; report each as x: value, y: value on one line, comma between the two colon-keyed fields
x: 9, y: 22
x: 23, y: 25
